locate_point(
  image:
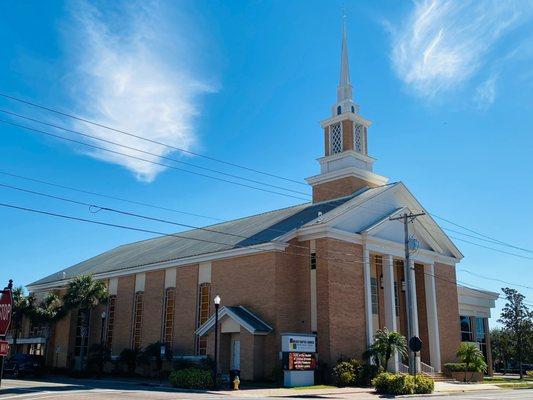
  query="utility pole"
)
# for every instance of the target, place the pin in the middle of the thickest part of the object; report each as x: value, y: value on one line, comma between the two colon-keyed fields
x: 407, y: 218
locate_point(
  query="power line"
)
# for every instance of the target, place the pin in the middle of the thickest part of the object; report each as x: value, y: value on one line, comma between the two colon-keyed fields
x: 147, y: 139
x: 481, y: 234
x: 148, y: 161
x: 491, y: 248
x: 350, y: 262
x: 214, y: 218
x: 203, y: 156
x: 108, y: 196
x: 493, y: 240
x: 95, y: 208
x: 496, y: 279
x: 162, y: 156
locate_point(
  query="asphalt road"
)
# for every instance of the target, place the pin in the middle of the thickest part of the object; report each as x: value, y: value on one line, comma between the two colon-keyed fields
x: 72, y: 389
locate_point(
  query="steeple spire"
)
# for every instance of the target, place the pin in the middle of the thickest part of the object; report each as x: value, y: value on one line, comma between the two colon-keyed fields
x: 344, y: 90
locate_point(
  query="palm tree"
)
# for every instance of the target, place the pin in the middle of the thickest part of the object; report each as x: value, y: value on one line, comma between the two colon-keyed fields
x: 385, y: 344
x: 472, y: 357
x: 22, y: 306
x: 85, y: 293
x: 47, y: 312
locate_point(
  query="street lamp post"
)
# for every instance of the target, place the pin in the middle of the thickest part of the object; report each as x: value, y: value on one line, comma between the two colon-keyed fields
x: 215, y: 368
x: 103, y: 316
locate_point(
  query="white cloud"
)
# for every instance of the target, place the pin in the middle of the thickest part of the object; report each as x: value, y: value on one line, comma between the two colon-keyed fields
x: 486, y: 93
x: 126, y: 79
x: 443, y: 43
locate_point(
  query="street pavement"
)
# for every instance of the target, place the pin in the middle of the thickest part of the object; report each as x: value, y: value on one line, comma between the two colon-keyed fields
x: 88, y: 389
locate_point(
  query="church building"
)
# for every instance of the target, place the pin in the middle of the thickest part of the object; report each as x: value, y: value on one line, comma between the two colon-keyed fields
x: 333, y: 268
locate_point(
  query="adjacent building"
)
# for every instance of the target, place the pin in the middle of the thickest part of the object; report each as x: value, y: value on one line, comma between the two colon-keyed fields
x: 333, y: 267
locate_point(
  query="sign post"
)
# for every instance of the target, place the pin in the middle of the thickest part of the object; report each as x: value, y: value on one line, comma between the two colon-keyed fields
x: 6, y: 311
x: 415, y: 344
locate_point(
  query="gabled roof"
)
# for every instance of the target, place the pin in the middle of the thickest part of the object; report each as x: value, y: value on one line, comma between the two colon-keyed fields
x: 240, y: 233
x: 240, y: 314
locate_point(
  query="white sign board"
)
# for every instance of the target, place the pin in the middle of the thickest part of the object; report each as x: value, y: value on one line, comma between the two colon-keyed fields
x: 298, y: 343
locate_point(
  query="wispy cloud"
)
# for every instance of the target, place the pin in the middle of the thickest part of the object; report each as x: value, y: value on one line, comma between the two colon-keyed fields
x: 125, y: 78
x: 486, y: 93
x: 441, y: 44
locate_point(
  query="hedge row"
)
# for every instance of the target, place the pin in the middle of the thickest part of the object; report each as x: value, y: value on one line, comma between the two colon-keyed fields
x: 397, y: 384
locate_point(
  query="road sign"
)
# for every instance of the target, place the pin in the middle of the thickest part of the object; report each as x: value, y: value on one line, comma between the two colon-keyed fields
x: 4, y: 348
x: 415, y: 344
x: 6, y: 309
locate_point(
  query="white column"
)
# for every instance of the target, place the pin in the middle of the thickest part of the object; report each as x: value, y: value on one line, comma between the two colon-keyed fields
x: 368, y: 297
x: 390, y: 303
x: 432, y: 316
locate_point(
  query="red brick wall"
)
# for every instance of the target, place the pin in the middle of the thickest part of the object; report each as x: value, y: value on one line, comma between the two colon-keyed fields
x: 153, y: 307
x: 448, y: 311
x: 341, y: 303
x: 123, y: 314
x: 185, y: 314
x: 338, y: 188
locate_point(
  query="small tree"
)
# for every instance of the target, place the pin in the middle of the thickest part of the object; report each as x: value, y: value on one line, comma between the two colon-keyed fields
x: 85, y: 293
x: 501, y: 344
x: 22, y: 306
x: 516, y: 317
x: 47, y: 312
x: 472, y: 357
x: 385, y: 344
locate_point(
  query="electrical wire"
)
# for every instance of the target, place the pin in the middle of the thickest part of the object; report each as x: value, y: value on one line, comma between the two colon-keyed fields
x: 351, y: 255
x: 77, y: 118
x: 148, y: 161
x: 162, y: 156
x: 493, y: 240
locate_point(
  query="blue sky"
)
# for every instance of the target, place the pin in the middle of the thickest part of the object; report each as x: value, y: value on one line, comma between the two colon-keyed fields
x: 447, y: 85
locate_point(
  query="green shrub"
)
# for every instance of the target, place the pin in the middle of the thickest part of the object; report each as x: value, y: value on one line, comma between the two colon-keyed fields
x: 366, y: 373
x: 354, y: 373
x: 191, y: 378
x: 458, y: 367
x: 344, y: 374
x: 398, y: 384
x: 424, y: 384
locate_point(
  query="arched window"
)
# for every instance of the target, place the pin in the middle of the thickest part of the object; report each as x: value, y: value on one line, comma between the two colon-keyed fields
x: 111, y: 306
x: 353, y: 109
x: 339, y: 110
x: 168, y: 316
x: 203, y: 315
x: 137, y: 320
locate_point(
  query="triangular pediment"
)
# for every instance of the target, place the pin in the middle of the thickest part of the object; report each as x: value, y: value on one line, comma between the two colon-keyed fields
x: 369, y: 213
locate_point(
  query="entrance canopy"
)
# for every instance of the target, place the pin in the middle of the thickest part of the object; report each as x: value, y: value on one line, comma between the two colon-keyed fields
x: 241, y: 317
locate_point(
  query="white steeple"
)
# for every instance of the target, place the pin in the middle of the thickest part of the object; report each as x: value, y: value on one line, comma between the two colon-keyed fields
x: 345, y: 101
x: 344, y: 90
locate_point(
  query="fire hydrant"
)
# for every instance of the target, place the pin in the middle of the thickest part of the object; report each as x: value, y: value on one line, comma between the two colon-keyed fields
x: 236, y: 382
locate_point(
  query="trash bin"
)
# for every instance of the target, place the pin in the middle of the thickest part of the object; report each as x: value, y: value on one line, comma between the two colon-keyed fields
x: 233, y: 373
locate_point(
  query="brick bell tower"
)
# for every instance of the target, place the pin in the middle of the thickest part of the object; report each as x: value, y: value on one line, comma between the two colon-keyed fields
x: 345, y: 166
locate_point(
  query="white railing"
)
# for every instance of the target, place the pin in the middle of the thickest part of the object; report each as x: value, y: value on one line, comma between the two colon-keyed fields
x: 426, y: 369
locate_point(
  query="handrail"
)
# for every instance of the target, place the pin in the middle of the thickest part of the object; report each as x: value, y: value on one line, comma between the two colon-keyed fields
x: 427, y: 369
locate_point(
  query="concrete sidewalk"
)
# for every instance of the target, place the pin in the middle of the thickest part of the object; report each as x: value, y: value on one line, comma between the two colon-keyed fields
x: 441, y: 388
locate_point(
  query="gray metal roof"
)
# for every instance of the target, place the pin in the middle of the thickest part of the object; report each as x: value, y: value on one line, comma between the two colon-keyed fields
x: 244, y: 317
x: 243, y: 232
